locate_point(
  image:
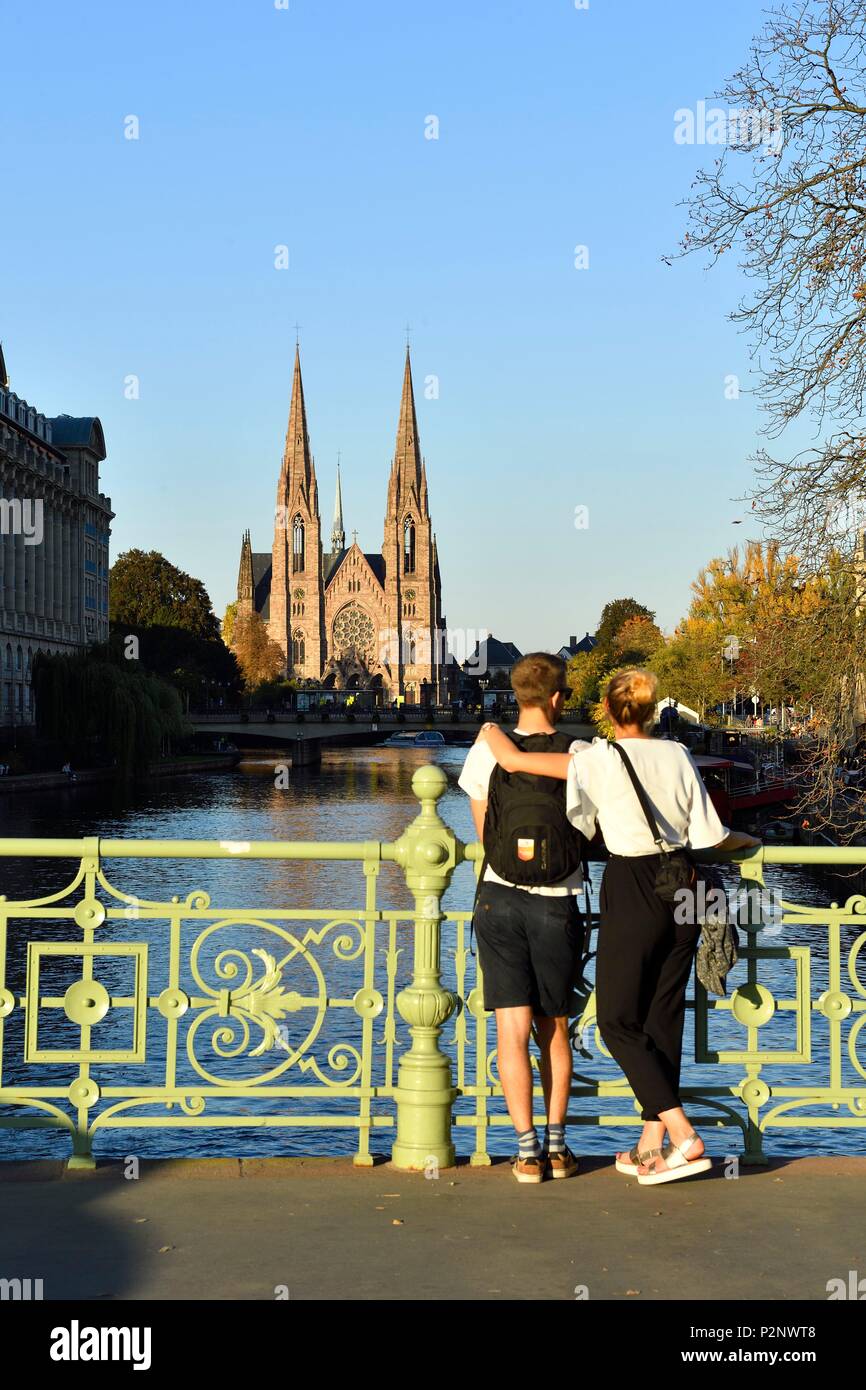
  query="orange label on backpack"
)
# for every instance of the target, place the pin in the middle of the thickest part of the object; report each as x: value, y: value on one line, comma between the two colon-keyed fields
x: 526, y: 850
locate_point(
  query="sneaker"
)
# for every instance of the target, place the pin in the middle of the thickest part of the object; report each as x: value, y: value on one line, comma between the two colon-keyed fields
x: 563, y: 1165
x: 529, y: 1169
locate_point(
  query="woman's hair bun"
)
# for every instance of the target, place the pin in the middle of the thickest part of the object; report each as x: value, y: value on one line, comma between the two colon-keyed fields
x: 631, y: 696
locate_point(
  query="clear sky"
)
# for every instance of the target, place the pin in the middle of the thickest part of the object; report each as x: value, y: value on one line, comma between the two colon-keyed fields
x: 305, y: 126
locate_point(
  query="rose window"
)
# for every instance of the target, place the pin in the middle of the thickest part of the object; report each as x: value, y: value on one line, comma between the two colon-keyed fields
x: 353, y: 628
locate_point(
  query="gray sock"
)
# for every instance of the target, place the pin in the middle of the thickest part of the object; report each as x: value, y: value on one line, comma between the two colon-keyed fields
x: 527, y: 1144
x: 556, y: 1139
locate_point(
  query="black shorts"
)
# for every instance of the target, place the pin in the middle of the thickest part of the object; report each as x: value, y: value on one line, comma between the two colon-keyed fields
x: 529, y: 946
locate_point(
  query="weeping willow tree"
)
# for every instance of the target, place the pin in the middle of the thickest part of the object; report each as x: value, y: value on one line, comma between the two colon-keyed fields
x: 91, y: 703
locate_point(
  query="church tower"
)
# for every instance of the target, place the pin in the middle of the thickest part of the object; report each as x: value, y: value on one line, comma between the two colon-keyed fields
x: 246, y: 585
x: 338, y: 531
x: 411, y: 566
x: 296, y: 595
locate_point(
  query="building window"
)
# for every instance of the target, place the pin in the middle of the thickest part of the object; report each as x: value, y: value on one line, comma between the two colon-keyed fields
x: 297, y: 545
x: 408, y: 546
x: 298, y: 650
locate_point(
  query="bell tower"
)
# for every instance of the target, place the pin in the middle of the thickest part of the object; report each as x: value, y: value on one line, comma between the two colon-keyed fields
x: 411, y: 565
x: 246, y: 585
x: 296, y: 600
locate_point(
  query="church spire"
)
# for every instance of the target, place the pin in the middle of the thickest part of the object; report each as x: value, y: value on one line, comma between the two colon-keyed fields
x: 338, y: 534
x: 245, y: 573
x: 298, y: 469
x: 406, y: 469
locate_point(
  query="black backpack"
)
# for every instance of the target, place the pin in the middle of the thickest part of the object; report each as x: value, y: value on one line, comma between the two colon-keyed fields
x: 528, y: 838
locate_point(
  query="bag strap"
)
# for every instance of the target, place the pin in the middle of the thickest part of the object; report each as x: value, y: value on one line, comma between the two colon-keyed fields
x: 642, y: 797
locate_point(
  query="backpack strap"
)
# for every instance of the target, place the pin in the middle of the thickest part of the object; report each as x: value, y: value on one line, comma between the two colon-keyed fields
x: 644, y: 800
x: 484, y: 862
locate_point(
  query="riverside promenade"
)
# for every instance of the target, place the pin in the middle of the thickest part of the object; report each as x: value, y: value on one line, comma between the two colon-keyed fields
x: 313, y: 1229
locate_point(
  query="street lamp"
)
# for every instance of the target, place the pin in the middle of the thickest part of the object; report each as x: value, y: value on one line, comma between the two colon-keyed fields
x: 731, y: 653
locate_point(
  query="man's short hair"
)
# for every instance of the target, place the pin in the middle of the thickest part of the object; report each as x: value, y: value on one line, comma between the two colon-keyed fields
x: 537, y: 677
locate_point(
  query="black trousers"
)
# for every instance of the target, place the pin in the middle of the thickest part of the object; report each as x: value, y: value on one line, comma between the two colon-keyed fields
x: 643, y: 965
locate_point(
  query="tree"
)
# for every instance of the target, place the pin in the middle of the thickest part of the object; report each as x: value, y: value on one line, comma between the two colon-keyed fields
x: 636, y: 641
x: 169, y: 614
x: 94, y: 703
x: 758, y: 596
x: 228, y: 623
x: 583, y: 674
x: 259, y: 657
x: 146, y: 590
x: 690, y: 670
x: 613, y: 617
x: 791, y: 205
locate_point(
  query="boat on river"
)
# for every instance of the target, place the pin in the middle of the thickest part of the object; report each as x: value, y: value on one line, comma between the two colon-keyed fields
x: 735, y: 785
x: 425, y: 738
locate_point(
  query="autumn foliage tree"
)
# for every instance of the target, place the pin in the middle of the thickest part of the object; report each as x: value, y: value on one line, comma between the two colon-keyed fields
x: 260, y: 658
x: 614, y: 617
x: 792, y: 210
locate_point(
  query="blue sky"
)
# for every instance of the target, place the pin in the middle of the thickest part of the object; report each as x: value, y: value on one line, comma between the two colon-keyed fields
x: 558, y: 388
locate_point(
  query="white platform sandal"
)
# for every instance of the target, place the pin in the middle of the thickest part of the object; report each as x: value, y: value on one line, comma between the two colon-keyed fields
x: 676, y: 1165
x: 636, y: 1159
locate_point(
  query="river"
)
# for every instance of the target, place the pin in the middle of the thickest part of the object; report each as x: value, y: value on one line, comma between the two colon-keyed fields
x: 357, y: 794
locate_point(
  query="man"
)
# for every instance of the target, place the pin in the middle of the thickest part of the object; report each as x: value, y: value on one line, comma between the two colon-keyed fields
x: 530, y: 936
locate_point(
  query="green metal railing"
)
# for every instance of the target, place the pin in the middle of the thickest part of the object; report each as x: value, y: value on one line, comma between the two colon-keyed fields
x: 123, y: 1012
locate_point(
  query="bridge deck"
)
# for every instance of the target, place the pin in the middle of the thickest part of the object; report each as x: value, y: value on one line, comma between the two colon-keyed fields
x: 330, y: 1231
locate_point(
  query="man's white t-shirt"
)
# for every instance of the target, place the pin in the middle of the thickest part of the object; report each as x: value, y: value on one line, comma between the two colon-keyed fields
x: 600, y: 791
x: 475, y: 781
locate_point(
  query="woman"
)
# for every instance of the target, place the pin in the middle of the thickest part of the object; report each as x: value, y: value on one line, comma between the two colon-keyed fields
x: 645, y: 956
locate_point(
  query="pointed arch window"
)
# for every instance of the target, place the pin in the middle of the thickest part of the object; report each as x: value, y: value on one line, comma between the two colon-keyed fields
x: 298, y: 545
x: 408, y: 546
x: 298, y: 650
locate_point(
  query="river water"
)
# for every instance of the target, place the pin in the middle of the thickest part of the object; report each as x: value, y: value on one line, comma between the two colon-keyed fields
x: 358, y: 794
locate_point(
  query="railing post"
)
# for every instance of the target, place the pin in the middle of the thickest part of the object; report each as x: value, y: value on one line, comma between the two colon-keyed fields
x: 427, y: 852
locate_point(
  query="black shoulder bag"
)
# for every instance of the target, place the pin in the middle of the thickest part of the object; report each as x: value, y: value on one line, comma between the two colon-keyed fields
x: 677, y: 871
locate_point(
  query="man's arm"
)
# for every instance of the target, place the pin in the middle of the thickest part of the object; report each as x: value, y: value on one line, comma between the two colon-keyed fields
x: 474, y: 780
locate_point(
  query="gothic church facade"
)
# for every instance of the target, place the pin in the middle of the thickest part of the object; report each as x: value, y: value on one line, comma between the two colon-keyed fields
x: 345, y: 618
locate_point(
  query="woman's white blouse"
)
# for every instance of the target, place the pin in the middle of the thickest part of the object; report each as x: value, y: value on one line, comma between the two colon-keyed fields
x: 600, y: 791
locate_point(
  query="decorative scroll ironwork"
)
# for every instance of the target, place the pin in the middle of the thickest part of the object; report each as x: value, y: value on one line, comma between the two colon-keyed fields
x: 119, y: 1011
x: 223, y: 1032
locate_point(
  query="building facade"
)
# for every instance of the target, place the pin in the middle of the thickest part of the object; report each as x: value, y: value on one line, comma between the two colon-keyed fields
x: 55, y: 527
x: 574, y: 648
x: 343, y: 617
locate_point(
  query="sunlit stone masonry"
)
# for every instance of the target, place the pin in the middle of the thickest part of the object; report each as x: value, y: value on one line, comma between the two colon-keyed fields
x: 345, y: 617
x: 55, y: 527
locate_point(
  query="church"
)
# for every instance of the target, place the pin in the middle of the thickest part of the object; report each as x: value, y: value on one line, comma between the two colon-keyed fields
x: 345, y: 618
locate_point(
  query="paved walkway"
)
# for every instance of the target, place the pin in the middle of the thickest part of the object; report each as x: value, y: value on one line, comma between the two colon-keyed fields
x: 222, y: 1228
